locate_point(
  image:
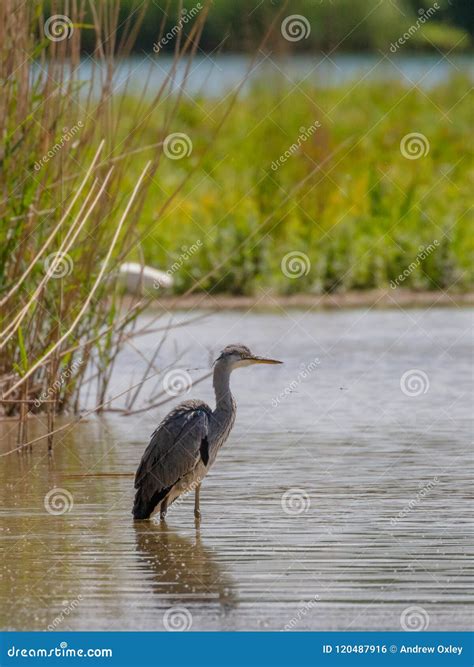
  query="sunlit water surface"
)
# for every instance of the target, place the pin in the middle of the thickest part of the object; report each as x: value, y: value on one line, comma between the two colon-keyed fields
x: 379, y: 482
x: 215, y: 75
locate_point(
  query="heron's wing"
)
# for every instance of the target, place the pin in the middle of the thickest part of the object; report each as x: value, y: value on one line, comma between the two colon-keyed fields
x: 175, y: 446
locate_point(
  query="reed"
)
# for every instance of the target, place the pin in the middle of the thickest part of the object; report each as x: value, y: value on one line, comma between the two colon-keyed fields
x: 68, y: 208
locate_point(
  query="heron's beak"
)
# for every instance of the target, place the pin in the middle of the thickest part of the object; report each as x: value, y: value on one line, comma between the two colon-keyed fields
x: 263, y: 360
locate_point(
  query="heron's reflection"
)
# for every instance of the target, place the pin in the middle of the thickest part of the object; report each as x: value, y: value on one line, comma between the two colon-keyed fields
x: 183, y: 569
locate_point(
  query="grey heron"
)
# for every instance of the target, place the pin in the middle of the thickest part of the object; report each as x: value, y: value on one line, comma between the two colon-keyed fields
x: 185, y: 444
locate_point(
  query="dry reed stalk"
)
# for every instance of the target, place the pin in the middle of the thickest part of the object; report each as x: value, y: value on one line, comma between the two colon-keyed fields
x: 96, y: 284
x: 71, y: 236
x: 55, y: 230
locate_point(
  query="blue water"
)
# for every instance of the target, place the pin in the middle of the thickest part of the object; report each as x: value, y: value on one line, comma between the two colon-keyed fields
x: 216, y: 75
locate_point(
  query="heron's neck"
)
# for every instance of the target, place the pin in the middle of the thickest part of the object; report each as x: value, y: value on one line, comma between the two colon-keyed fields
x: 221, y: 382
x: 224, y: 414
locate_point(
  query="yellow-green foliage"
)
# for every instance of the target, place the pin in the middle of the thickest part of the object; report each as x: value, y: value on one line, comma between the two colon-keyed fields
x: 361, y: 218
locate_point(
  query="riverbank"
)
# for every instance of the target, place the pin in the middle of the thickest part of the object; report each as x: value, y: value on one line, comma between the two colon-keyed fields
x: 379, y: 298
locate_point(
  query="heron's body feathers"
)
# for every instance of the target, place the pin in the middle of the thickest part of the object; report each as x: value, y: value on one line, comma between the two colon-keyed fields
x: 171, y: 460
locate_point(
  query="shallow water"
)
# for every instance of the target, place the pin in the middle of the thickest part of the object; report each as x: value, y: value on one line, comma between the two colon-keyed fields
x: 375, y: 520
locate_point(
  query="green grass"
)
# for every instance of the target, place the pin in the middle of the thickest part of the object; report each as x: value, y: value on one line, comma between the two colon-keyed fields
x: 361, y: 219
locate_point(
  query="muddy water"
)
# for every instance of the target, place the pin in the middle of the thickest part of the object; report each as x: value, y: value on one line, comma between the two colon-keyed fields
x: 339, y: 502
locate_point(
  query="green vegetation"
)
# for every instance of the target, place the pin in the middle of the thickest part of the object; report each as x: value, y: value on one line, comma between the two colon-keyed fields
x: 349, y: 25
x: 362, y: 218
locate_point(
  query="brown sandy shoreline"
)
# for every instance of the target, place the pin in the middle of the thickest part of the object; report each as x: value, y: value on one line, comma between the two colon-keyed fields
x: 380, y: 298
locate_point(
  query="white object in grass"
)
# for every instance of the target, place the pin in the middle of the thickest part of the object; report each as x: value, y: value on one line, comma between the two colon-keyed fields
x: 136, y: 277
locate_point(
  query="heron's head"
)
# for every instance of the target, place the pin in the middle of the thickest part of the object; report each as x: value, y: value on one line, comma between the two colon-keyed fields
x: 237, y: 356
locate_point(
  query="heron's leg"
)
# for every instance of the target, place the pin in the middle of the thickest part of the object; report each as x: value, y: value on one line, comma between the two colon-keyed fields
x: 163, y: 509
x: 197, y: 511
